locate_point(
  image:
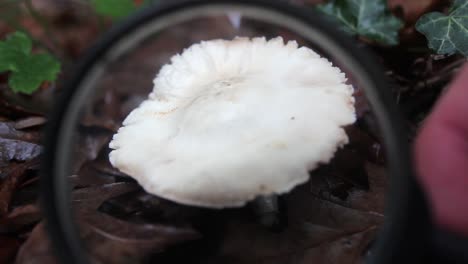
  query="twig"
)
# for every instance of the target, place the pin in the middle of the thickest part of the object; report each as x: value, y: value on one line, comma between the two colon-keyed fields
x: 443, y: 75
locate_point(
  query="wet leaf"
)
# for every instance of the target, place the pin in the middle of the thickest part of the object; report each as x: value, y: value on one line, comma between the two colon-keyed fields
x: 16, y: 150
x: 101, y: 233
x: 37, y: 249
x: 8, y: 131
x: 371, y: 200
x: 123, y: 205
x: 141, y: 207
x: 128, y: 240
x: 90, y: 142
x: 105, y: 112
x: 12, y: 179
x: 92, y: 197
x: 109, y: 240
x: 349, y: 249
x: 29, y: 122
x: 367, y: 18
x: 20, y: 218
x: 315, y: 226
x: 374, y: 199
x: 8, y: 248
x: 15, y: 105
x: 89, y: 176
x: 447, y: 34
x: 27, y: 192
x: 364, y: 145
x: 102, y: 166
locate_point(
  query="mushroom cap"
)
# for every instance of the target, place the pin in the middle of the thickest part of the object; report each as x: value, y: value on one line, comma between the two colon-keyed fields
x: 228, y: 121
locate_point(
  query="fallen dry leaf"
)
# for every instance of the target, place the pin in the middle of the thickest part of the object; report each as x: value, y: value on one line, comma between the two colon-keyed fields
x: 90, y: 198
x: 331, y: 219
x: 20, y: 218
x: 16, y: 150
x: 29, y: 122
x: 129, y: 242
x: 37, y: 249
x: 9, y: 131
x: 11, y: 181
x: 90, y: 142
x: 8, y: 248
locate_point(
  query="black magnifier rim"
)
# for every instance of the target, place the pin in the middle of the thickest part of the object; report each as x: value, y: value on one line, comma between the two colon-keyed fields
x: 404, y: 235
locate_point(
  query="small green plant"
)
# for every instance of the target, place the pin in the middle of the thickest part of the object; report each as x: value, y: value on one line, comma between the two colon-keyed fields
x: 371, y: 19
x: 27, y: 70
x: 367, y: 18
x: 115, y: 9
x: 447, y: 34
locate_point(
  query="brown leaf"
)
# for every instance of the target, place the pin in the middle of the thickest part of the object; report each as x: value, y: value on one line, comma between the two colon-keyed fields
x: 129, y: 242
x: 141, y: 207
x: 16, y: 150
x: 316, y: 227
x: 27, y: 192
x: 349, y: 249
x: 8, y: 248
x: 102, y: 165
x: 37, y: 249
x: 305, y: 206
x: 88, y: 199
x: 90, y: 142
x: 90, y: 176
x: 369, y: 200
x: 29, y: 122
x: 17, y: 105
x: 20, y: 218
x: 8, y: 131
x: 13, y: 178
x: 104, y: 112
x: 108, y: 240
x: 374, y: 199
x: 364, y: 145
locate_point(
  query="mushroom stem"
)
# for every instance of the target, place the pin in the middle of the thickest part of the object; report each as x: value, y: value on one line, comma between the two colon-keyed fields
x: 269, y: 212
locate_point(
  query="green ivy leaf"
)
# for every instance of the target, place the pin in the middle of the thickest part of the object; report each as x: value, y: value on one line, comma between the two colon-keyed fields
x: 447, y: 34
x: 115, y: 9
x: 367, y: 18
x: 28, y: 70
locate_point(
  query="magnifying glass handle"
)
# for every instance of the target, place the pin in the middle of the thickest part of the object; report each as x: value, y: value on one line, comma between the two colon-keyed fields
x: 447, y: 248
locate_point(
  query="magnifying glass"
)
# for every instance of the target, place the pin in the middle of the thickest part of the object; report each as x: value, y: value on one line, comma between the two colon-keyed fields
x: 84, y: 196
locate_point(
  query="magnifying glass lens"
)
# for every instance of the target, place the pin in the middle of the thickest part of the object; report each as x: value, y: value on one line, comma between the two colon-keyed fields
x: 161, y: 152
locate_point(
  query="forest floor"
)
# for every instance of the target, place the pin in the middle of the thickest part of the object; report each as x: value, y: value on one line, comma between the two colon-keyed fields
x: 333, y: 218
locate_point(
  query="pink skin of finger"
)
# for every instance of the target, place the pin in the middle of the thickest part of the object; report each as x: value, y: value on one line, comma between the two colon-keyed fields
x: 441, y: 157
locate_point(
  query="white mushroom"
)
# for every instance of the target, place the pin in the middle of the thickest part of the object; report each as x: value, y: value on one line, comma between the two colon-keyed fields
x: 228, y: 121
